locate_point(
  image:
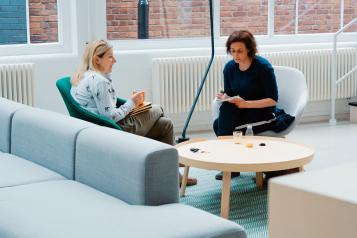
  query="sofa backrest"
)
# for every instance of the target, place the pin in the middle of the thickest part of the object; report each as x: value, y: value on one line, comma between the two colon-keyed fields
x: 7, y: 110
x: 46, y: 138
x: 132, y: 168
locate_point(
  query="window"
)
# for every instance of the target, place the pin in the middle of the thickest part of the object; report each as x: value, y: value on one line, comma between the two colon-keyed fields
x: 43, y: 21
x: 190, y: 19
x: 350, y: 13
x: 32, y: 21
x: 245, y: 15
x: 285, y: 17
x: 318, y: 16
x: 166, y: 19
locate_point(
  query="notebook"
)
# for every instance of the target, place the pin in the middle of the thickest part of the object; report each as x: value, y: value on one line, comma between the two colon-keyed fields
x: 145, y: 106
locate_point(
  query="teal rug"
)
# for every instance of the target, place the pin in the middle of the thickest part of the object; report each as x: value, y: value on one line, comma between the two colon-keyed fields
x: 248, y: 204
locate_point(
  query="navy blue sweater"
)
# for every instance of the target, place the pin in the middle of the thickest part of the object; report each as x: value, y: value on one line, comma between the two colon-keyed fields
x: 257, y: 82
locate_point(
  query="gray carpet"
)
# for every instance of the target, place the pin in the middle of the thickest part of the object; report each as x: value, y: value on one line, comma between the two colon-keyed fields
x: 248, y: 203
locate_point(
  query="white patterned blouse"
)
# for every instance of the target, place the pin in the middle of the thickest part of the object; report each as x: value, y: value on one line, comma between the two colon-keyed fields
x: 95, y: 93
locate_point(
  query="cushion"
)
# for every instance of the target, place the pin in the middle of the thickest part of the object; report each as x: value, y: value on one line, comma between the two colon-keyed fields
x: 70, y: 209
x: 133, y: 168
x: 16, y: 171
x: 7, y: 110
x: 46, y: 138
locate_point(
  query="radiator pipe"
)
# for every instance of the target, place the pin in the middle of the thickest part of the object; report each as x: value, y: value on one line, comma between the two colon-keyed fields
x: 183, y: 136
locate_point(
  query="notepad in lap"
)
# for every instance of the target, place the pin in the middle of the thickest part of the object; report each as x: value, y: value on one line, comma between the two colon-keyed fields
x: 146, y: 106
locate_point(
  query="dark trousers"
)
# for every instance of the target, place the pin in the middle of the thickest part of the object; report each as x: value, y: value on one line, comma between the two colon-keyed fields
x: 230, y: 116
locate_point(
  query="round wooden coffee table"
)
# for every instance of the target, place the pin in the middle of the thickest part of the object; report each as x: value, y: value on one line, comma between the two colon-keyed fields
x: 267, y: 154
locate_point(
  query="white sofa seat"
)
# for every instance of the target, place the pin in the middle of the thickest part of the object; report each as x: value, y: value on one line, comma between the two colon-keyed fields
x: 17, y: 171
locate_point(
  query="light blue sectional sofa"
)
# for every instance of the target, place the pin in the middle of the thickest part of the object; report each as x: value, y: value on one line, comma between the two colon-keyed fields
x: 63, y: 177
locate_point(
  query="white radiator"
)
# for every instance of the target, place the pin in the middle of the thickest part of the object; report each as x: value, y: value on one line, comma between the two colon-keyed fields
x: 176, y: 80
x: 16, y: 82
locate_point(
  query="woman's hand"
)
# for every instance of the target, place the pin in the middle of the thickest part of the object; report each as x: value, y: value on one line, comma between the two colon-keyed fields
x: 138, y: 98
x: 262, y: 103
x: 221, y: 96
x: 239, y: 102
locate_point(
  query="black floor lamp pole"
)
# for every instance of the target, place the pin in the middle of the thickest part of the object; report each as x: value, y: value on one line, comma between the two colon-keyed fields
x: 183, y: 136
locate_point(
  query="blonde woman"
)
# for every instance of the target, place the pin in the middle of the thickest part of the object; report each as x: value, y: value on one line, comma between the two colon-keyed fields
x: 92, y: 88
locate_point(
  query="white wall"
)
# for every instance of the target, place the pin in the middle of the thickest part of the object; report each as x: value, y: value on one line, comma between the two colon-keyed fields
x: 133, y: 69
x: 47, y: 69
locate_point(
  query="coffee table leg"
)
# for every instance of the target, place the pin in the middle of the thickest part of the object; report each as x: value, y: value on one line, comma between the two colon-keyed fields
x: 184, y: 181
x: 259, y: 179
x: 226, y: 190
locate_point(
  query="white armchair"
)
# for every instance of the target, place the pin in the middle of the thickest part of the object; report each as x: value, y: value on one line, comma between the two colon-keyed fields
x: 293, y: 96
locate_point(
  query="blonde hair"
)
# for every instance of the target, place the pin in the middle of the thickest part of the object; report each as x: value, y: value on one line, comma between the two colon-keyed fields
x: 93, y: 50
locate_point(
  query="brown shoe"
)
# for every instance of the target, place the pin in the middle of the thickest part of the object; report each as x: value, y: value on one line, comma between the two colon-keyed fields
x: 190, y: 181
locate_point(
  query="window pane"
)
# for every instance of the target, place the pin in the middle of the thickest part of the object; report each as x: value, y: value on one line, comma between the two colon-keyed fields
x: 284, y: 17
x: 13, y: 22
x: 167, y: 19
x: 249, y: 15
x: 350, y: 13
x: 43, y: 21
x: 319, y: 16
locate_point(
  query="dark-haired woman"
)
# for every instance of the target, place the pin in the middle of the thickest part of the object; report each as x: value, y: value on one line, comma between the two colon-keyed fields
x: 252, y: 78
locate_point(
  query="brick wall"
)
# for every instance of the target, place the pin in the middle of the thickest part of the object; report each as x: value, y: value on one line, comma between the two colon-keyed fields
x: 12, y: 22
x: 167, y: 19
x: 350, y: 13
x: 43, y: 21
x: 190, y: 18
x: 284, y: 22
x: 316, y: 18
x: 177, y: 18
x: 313, y: 18
x: 249, y: 15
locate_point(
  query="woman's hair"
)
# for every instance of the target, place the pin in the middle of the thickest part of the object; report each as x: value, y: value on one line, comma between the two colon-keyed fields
x: 245, y: 37
x: 92, y: 51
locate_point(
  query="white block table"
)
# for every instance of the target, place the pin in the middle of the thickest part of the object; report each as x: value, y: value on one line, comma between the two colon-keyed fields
x: 316, y: 204
x: 353, y: 112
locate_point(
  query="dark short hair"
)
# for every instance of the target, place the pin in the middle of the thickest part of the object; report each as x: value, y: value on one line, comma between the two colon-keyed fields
x: 245, y: 37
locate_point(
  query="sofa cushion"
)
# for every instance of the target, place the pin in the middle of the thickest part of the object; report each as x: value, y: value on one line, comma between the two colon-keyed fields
x: 46, y: 138
x: 7, y: 110
x: 70, y: 209
x: 133, y: 168
x: 16, y: 171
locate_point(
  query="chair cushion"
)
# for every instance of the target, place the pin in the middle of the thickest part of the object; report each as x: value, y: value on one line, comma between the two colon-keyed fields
x: 16, y: 171
x: 70, y: 209
x: 7, y: 110
x: 46, y: 138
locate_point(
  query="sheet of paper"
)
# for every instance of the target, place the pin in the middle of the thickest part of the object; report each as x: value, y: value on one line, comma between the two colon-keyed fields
x: 227, y: 99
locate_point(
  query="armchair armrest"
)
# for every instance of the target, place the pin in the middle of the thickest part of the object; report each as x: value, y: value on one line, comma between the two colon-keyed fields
x: 120, y: 101
x: 133, y: 168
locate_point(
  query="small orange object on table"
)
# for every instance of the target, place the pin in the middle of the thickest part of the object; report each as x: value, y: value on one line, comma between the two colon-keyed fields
x: 249, y: 145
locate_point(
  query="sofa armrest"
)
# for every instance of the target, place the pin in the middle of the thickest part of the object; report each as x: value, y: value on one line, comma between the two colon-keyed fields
x: 132, y: 168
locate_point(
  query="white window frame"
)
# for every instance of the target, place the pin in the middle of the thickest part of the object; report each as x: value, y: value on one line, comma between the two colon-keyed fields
x: 316, y: 40
x: 66, y: 13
